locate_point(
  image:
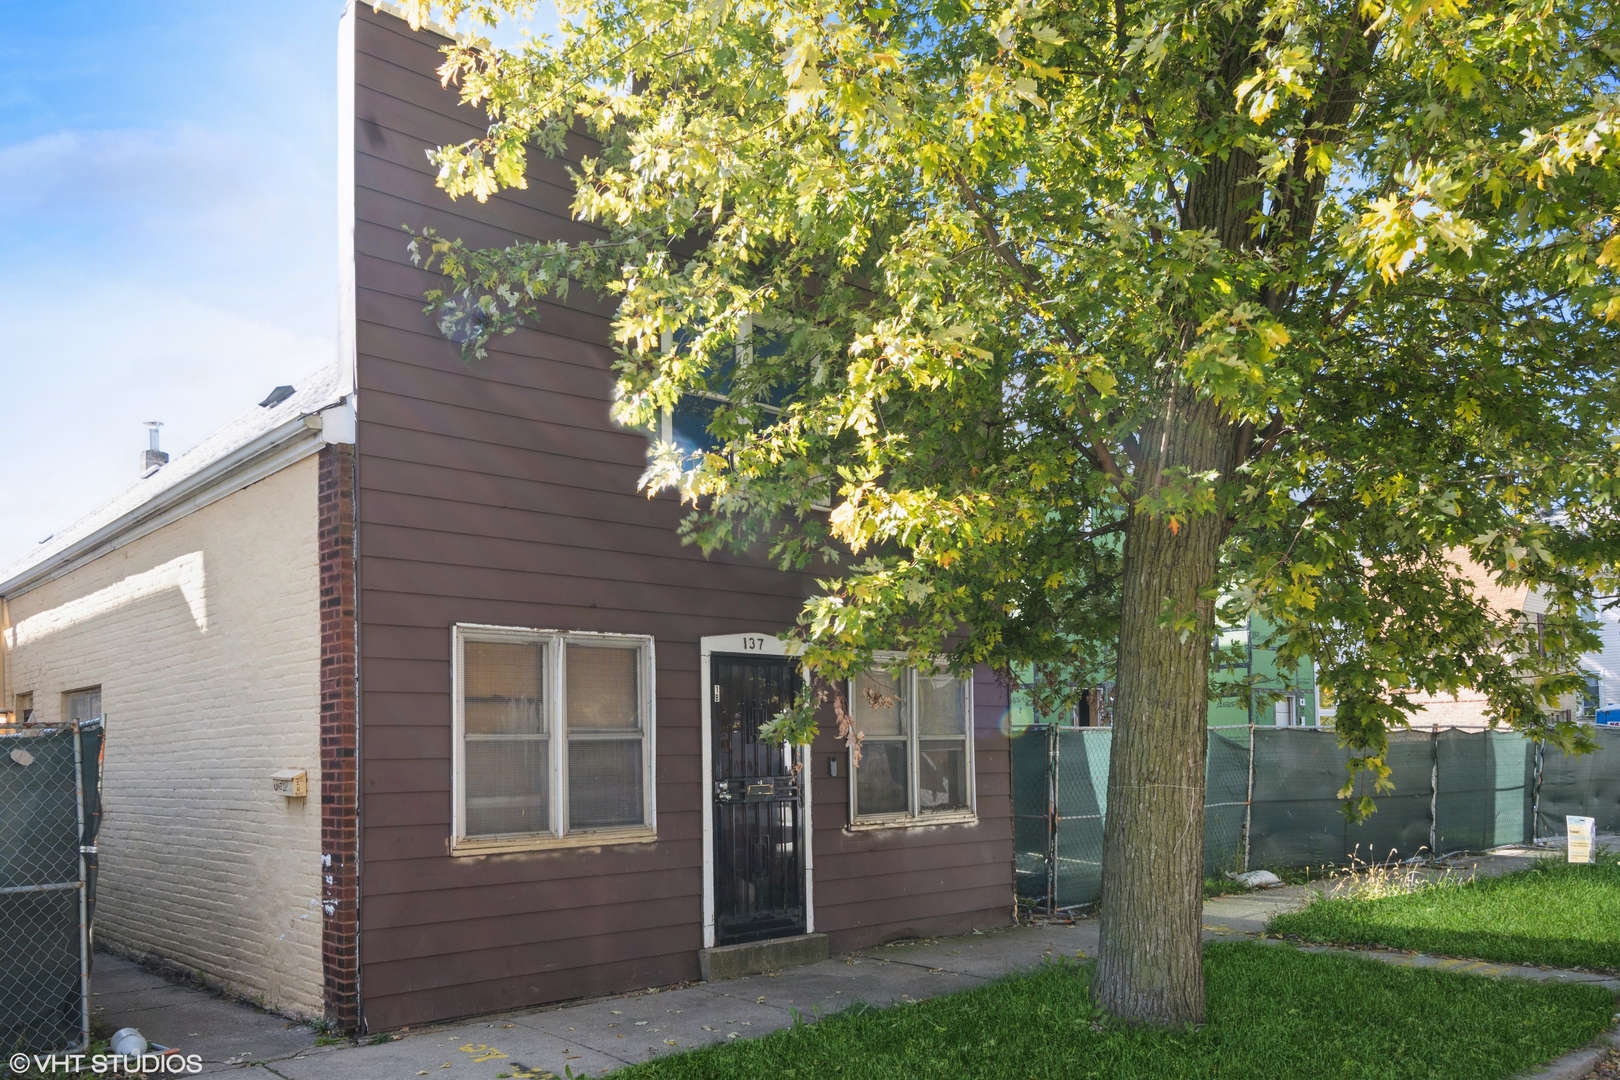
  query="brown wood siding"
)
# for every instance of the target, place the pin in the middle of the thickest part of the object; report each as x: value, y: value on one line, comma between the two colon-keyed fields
x: 500, y: 492
x: 916, y: 881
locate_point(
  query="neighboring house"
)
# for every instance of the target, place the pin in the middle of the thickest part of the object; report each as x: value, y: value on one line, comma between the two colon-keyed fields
x: 188, y: 611
x: 1248, y: 687
x: 525, y: 711
x: 1470, y: 708
x: 1603, y: 667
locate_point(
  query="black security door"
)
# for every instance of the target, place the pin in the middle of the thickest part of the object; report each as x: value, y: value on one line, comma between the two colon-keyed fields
x: 758, y: 858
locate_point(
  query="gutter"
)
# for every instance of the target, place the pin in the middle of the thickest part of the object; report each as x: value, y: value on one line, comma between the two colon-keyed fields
x: 253, y: 461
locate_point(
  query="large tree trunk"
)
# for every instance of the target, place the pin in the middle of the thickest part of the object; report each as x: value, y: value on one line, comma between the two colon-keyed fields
x: 1151, y: 967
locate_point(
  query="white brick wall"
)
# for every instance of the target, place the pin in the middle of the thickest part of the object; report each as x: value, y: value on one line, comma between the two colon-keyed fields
x: 205, y: 639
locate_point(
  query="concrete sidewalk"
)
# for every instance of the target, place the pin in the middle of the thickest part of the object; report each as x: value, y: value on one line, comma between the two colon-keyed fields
x: 595, y: 1037
x: 592, y: 1037
x: 225, y: 1033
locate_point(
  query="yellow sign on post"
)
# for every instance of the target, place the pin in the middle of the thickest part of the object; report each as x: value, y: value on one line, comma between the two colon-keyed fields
x: 1580, y: 838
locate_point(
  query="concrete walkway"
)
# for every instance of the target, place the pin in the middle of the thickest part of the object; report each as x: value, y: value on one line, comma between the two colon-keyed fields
x: 595, y: 1037
x: 592, y: 1037
x: 225, y: 1033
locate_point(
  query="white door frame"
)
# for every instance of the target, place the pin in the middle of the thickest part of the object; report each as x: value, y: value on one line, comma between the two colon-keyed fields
x: 764, y: 644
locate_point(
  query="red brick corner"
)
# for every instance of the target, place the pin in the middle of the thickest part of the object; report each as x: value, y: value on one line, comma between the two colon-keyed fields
x: 339, y: 789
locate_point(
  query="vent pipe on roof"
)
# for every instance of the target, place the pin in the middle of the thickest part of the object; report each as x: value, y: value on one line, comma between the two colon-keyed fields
x: 152, y: 459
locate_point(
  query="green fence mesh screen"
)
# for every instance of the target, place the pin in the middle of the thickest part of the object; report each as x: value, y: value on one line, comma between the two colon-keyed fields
x: 1296, y: 818
x: 1587, y: 785
x: 44, y: 881
x: 1082, y: 800
x: 1272, y: 800
x: 1032, y: 776
x: 1484, y: 782
x: 1225, y: 799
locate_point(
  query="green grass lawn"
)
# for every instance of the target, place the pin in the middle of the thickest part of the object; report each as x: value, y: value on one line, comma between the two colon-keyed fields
x: 1553, y: 914
x: 1274, y: 1012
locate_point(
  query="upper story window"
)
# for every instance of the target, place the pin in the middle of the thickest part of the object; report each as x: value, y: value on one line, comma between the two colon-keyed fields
x: 81, y: 705
x: 553, y: 738
x: 916, y: 752
x: 689, y: 425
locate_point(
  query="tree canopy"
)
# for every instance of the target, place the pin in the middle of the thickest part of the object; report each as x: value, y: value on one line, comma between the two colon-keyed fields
x: 1359, y: 255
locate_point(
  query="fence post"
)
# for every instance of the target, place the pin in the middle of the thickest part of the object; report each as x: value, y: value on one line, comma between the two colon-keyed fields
x: 1535, y: 798
x: 1434, y: 788
x: 1248, y: 802
x: 84, y: 889
x: 1051, y: 817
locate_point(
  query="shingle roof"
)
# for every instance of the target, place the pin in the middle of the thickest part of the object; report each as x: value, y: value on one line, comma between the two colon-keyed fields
x: 318, y: 390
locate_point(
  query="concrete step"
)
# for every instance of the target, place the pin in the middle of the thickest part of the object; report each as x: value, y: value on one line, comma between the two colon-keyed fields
x: 758, y: 957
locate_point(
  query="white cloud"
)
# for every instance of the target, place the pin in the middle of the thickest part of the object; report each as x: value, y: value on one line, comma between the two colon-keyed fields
x: 243, y: 222
x: 69, y: 172
x: 168, y: 199
x: 81, y: 371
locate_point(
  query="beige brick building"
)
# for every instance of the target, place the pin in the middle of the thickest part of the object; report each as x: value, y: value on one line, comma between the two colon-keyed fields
x: 1469, y: 708
x: 187, y: 613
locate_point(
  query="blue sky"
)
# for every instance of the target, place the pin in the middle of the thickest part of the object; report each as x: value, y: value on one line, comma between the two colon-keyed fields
x: 168, y: 206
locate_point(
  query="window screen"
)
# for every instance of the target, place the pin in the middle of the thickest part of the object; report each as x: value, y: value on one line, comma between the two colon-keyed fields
x: 604, y: 737
x: 917, y: 750
x: 81, y: 705
x: 942, y: 749
x: 882, y: 779
x: 555, y: 733
x: 507, y: 758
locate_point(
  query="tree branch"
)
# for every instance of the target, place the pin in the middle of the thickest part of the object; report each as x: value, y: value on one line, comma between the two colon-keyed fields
x: 1100, y: 455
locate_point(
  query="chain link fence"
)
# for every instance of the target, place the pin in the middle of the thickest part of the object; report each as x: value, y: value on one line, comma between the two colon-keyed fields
x: 49, y: 815
x: 1272, y: 800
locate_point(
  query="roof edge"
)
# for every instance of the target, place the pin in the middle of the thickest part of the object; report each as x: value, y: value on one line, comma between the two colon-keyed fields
x: 253, y: 461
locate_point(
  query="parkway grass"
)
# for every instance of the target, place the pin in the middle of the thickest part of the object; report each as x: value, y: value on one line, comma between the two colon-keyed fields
x: 1553, y: 914
x: 1274, y: 1012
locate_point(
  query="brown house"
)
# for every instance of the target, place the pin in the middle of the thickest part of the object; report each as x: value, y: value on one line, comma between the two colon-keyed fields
x: 559, y: 788
x: 459, y: 722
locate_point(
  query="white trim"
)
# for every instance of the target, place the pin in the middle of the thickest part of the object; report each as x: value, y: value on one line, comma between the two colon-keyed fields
x: 248, y: 464
x: 744, y: 645
x: 348, y: 352
x: 806, y: 770
x: 554, y: 697
x: 430, y: 25
x: 706, y: 790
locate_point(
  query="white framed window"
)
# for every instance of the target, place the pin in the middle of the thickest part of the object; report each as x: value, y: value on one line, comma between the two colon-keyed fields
x: 686, y: 426
x: 916, y: 750
x: 553, y: 742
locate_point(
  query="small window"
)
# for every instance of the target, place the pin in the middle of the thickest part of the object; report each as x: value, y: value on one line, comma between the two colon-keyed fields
x: 553, y: 738
x: 25, y: 708
x: 689, y: 424
x: 916, y: 752
x: 81, y: 705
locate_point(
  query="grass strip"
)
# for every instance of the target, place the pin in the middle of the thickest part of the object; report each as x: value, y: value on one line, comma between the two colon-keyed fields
x: 1554, y: 914
x: 1274, y: 1012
